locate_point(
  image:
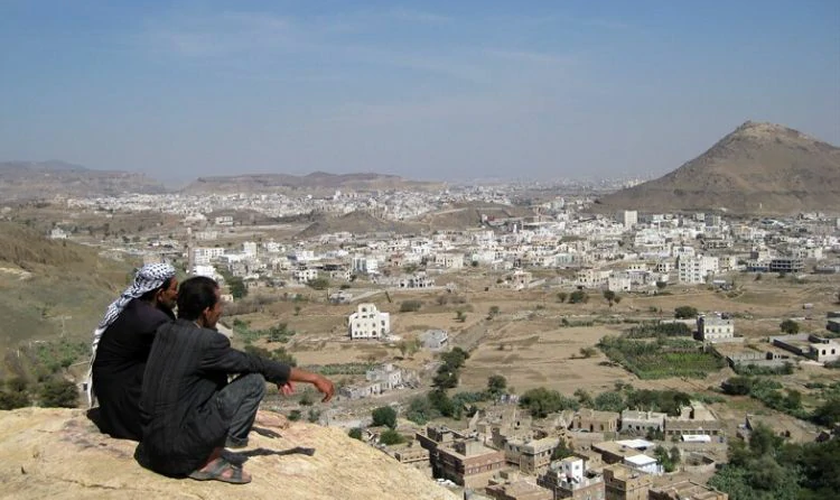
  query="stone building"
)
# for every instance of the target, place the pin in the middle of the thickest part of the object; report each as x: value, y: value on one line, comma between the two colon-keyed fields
x: 626, y: 483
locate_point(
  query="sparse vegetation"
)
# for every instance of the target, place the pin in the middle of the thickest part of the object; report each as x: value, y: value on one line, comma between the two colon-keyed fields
x: 657, y: 329
x: 578, y: 297
x: 410, y: 306
x: 541, y: 402
x: 391, y: 437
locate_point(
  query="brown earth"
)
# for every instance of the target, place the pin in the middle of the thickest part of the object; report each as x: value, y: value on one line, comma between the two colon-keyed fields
x: 760, y: 168
x: 55, y: 453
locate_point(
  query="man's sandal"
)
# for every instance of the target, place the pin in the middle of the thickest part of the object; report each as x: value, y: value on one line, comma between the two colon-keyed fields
x: 221, y: 470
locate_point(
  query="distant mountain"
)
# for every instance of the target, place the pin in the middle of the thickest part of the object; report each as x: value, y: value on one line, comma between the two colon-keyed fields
x: 264, y: 183
x: 759, y: 168
x: 22, y: 180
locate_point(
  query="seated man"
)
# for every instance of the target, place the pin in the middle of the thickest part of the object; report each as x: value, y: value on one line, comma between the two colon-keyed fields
x: 121, y: 347
x: 188, y: 408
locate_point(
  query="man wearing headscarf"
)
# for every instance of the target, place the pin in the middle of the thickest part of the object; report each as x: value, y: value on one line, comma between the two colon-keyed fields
x: 121, y: 346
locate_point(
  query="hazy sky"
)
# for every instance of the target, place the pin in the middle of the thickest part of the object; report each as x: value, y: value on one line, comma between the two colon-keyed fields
x: 449, y: 90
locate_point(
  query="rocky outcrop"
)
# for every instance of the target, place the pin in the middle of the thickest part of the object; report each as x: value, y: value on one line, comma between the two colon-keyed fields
x: 59, y: 454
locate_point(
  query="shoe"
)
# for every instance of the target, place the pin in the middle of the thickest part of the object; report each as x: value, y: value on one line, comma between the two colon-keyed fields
x: 221, y: 470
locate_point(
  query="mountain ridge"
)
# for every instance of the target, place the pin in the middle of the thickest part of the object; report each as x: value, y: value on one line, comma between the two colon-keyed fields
x: 758, y: 168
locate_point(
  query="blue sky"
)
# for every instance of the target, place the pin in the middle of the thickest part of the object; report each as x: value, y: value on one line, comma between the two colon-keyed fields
x: 427, y: 90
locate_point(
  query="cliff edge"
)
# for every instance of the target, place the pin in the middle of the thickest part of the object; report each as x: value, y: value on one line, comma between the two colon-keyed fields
x: 59, y: 454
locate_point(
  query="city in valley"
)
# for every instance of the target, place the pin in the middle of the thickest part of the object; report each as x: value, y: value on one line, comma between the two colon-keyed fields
x: 511, y: 341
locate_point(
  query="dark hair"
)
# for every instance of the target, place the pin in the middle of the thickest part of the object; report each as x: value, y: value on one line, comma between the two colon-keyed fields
x: 150, y: 295
x: 195, y: 295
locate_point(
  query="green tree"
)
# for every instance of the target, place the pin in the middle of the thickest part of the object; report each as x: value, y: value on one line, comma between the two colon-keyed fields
x: 737, y: 386
x: 610, y: 401
x: 294, y: 415
x: 562, y: 296
x: 561, y: 451
x: 460, y: 316
x: 789, y: 326
x: 583, y: 397
x: 661, y: 285
x: 385, y: 415
x: 541, y: 402
x: 685, y: 312
x: 578, y: 297
x: 391, y: 437
x: 355, y: 433
x: 493, y: 312
x: 609, y: 295
x: 496, y: 385
x: 237, y: 287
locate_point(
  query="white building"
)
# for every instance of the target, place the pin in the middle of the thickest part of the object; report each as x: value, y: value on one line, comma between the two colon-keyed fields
x: 366, y: 265
x: 628, y: 218
x: 449, y: 260
x: 58, y: 234
x: 249, y: 248
x: 203, y: 255
x: 695, y: 270
x: 368, y: 323
x: 715, y: 329
x: 304, y: 275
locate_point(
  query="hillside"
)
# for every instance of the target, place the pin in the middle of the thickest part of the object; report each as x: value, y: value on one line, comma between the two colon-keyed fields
x: 469, y: 215
x: 43, y: 180
x: 319, y: 182
x: 358, y: 223
x: 58, y: 454
x: 49, y: 285
x: 760, y: 168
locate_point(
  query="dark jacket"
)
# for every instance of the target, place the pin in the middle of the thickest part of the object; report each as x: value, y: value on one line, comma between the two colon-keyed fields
x: 119, y: 365
x: 182, y: 424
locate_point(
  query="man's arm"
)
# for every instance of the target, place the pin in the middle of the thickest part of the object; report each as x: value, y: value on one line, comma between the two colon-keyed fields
x: 219, y: 356
x: 320, y: 382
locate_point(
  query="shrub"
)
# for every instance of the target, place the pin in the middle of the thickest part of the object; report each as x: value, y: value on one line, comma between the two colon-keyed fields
x: 391, y: 437
x: 385, y: 415
x: 685, y: 312
x: 355, y: 433
x: 410, y: 306
x: 58, y: 393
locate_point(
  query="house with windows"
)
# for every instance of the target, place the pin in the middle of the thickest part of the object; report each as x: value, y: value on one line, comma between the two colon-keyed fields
x: 369, y: 323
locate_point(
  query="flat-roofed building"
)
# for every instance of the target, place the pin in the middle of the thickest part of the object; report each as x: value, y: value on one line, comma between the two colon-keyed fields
x: 568, y: 478
x: 468, y: 463
x: 686, y: 490
x: 596, y: 421
x: 642, y: 422
x: 626, y: 483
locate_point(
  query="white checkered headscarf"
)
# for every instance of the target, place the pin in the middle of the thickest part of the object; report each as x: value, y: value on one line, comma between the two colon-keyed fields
x: 148, y: 278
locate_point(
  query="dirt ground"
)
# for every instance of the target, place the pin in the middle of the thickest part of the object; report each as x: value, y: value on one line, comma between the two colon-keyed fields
x: 526, y: 343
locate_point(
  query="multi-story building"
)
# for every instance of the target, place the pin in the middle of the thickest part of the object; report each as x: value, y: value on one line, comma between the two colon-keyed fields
x: 596, y: 421
x: 626, y: 483
x: 694, y: 270
x: 530, y: 455
x: 468, y: 463
x: 786, y: 265
x: 368, y: 323
x: 715, y: 329
x: 694, y: 420
x: 567, y: 478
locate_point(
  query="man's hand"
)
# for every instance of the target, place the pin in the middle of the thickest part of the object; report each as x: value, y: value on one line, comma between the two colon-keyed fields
x: 286, y: 389
x: 325, y: 387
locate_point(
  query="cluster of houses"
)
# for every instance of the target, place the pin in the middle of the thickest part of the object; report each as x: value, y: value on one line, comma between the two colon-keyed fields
x: 512, y: 457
